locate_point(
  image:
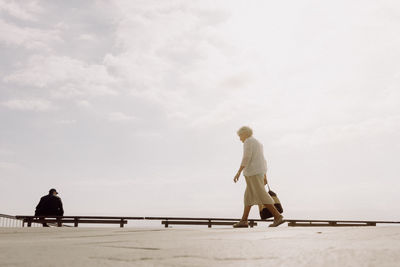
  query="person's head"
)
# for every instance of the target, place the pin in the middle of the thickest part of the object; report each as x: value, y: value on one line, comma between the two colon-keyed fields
x: 244, y: 133
x: 53, y: 192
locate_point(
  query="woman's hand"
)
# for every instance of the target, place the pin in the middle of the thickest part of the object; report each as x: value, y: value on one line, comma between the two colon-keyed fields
x: 265, y: 179
x: 236, y: 178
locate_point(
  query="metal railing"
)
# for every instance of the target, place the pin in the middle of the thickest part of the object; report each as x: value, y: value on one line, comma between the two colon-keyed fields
x: 75, y: 220
x: 10, y: 221
x: 36, y: 221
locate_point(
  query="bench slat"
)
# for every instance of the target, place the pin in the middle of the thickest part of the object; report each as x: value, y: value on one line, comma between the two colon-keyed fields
x: 204, y: 219
x: 302, y: 224
x: 75, y: 221
x: 167, y: 222
x: 79, y: 221
x: 82, y: 217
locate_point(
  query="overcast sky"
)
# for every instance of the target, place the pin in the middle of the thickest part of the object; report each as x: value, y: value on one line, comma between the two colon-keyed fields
x: 131, y: 107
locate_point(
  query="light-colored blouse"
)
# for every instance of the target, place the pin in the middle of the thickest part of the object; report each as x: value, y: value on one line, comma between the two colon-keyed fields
x: 253, y: 157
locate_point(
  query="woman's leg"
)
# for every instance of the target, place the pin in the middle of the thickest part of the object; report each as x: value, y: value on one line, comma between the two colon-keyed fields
x: 243, y: 221
x: 273, y: 210
x: 246, y: 212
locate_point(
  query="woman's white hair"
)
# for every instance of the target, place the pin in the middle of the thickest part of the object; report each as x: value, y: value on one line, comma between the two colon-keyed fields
x: 245, y: 130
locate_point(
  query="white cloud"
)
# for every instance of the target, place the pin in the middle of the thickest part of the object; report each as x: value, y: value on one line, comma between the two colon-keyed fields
x: 66, y: 121
x: 175, y: 56
x: 84, y: 103
x: 120, y: 117
x: 86, y: 37
x: 5, y: 152
x: 29, y: 104
x: 62, y: 26
x: 8, y: 165
x: 64, y: 77
x: 349, y: 132
x: 30, y: 38
x: 26, y: 10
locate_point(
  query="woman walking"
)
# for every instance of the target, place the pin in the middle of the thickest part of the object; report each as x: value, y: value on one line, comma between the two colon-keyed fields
x: 254, y: 168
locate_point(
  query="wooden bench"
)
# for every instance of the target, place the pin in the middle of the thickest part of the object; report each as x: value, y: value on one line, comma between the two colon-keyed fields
x: 166, y: 221
x: 76, y: 220
x: 333, y: 223
x: 209, y: 223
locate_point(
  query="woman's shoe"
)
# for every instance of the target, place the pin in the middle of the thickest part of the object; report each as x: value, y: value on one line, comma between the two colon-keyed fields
x: 277, y: 222
x: 241, y: 224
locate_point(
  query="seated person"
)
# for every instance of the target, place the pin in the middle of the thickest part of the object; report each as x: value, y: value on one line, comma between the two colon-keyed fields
x: 50, y: 205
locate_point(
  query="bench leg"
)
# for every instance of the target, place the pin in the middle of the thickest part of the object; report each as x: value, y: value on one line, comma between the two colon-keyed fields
x: 76, y: 221
x: 121, y: 225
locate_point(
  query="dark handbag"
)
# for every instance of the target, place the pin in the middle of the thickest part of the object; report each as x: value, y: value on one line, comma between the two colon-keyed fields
x: 265, y: 213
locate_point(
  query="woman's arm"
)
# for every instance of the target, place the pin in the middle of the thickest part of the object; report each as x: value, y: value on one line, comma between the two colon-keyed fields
x: 236, y: 178
x: 247, y: 151
x: 245, y: 160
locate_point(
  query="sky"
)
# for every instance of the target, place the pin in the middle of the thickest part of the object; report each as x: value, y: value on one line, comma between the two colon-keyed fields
x: 131, y: 108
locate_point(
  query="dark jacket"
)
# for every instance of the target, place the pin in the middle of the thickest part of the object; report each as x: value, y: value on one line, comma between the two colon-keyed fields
x: 49, y: 205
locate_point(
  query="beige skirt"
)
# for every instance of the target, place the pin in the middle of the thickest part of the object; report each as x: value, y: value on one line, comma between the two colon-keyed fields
x: 255, y: 193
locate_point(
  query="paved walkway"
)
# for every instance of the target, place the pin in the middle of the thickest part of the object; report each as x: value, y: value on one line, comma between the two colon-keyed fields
x: 282, y: 246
